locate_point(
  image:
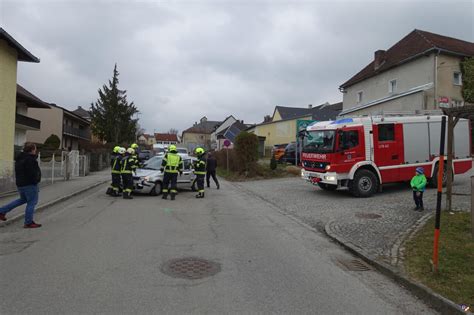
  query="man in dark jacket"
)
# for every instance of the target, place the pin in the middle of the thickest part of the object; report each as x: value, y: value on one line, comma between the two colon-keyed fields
x: 211, y: 170
x: 28, y: 176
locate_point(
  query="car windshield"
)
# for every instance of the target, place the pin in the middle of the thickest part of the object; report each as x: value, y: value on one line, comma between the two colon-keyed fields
x: 153, y: 164
x: 319, y: 141
x: 182, y: 150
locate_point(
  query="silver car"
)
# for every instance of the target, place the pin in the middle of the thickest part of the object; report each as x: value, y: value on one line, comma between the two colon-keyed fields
x: 149, y: 178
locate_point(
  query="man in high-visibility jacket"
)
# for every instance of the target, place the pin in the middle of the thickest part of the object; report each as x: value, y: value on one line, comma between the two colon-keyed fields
x: 136, y: 147
x: 114, y: 162
x: 128, y: 166
x: 200, y: 171
x: 172, y: 165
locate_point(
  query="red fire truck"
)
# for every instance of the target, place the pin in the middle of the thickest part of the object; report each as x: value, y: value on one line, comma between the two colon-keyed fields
x: 364, y: 153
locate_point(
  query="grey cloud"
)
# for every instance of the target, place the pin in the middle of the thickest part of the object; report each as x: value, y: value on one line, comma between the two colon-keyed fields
x: 181, y: 60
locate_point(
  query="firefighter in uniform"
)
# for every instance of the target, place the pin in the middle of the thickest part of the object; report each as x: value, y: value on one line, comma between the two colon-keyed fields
x: 128, y: 166
x: 172, y: 165
x: 114, y: 156
x: 200, y: 171
x: 135, y: 147
x: 116, y: 167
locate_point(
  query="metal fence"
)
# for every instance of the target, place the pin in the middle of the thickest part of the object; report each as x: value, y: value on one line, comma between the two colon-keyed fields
x: 55, y: 167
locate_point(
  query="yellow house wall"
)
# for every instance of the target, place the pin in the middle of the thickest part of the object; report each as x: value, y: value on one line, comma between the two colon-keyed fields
x: 8, y: 75
x: 279, y: 132
x: 276, y: 116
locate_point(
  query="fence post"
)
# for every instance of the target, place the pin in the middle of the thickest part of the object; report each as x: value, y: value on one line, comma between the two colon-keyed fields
x: 472, y: 206
x: 52, y: 170
x: 66, y: 161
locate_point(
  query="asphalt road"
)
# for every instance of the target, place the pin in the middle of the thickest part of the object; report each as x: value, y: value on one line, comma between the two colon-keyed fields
x: 102, y: 255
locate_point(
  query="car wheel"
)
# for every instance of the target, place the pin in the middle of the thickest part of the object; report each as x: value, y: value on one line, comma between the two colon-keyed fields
x: 327, y: 186
x: 156, y: 190
x: 364, y: 184
x: 434, y: 180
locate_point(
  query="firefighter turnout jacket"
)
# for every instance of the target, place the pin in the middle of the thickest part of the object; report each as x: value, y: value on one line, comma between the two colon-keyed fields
x: 129, y: 164
x: 115, y: 163
x: 172, y: 163
x: 200, y: 166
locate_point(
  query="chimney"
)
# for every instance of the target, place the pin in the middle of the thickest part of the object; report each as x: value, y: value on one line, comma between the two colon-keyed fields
x: 204, y: 119
x: 195, y: 123
x: 379, y: 58
x: 310, y: 106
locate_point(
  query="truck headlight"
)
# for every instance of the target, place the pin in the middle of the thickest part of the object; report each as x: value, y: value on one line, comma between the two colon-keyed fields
x: 330, y: 178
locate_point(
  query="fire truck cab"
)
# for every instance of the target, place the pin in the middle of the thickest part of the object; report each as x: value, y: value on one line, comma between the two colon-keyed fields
x: 365, y: 152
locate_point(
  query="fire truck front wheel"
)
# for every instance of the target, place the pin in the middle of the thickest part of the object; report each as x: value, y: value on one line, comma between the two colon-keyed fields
x: 364, y: 184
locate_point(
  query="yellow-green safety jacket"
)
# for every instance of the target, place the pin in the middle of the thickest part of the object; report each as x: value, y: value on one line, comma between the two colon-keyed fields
x: 200, y: 166
x: 172, y: 163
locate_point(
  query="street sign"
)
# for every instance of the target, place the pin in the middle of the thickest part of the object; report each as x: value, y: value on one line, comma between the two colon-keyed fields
x: 443, y: 102
x: 227, y: 143
x: 302, y: 125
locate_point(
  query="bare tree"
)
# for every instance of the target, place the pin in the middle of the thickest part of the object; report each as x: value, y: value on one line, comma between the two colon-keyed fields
x: 173, y: 131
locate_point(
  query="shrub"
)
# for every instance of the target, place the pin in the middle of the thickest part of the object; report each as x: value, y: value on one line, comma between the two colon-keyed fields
x: 273, y: 163
x: 246, y: 148
x: 52, y: 143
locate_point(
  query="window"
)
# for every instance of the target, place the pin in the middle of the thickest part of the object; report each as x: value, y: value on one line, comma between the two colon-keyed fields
x: 349, y: 139
x: 386, y: 132
x: 456, y: 103
x: 359, y: 96
x: 457, y: 78
x: 392, y: 86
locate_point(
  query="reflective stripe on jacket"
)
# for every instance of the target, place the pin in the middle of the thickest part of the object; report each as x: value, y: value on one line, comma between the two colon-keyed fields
x: 172, y: 163
x: 116, y: 164
x: 128, y: 165
x: 200, y: 167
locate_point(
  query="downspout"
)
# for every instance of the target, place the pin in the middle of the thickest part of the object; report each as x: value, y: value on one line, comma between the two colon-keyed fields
x: 435, y: 68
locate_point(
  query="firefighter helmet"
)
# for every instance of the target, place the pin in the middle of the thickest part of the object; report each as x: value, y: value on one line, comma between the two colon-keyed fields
x: 172, y: 148
x: 130, y: 151
x: 134, y: 146
x: 116, y: 149
x: 199, y: 151
x: 122, y: 150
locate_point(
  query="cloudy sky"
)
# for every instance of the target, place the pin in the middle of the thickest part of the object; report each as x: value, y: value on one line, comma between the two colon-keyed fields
x: 181, y: 60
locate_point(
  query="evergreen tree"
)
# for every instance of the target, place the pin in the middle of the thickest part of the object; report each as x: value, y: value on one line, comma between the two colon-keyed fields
x: 467, y: 69
x: 112, y: 115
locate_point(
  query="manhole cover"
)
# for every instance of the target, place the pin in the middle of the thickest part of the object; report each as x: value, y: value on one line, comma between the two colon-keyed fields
x: 363, y: 215
x: 353, y: 264
x: 191, y: 268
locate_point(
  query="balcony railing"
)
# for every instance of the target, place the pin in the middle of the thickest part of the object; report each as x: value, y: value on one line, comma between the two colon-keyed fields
x: 26, y: 122
x: 76, y: 132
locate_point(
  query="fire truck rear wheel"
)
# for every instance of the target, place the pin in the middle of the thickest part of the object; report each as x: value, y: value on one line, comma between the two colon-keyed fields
x: 364, y: 184
x: 327, y: 186
x: 434, y: 180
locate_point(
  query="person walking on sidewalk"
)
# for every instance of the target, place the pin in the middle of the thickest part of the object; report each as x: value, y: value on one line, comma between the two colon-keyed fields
x: 200, y: 171
x: 418, y: 184
x: 172, y: 165
x: 28, y: 176
x: 211, y: 170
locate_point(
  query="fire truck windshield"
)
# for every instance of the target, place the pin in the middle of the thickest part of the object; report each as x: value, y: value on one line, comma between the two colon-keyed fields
x: 319, y: 141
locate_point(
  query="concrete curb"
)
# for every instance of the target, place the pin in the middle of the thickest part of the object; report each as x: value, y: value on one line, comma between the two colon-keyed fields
x: 438, y: 302
x: 51, y: 203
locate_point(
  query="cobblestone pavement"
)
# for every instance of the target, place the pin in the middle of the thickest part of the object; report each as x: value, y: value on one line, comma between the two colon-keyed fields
x: 377, y: 226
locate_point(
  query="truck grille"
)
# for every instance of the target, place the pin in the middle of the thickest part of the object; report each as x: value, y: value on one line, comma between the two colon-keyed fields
x: 315, y: 165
